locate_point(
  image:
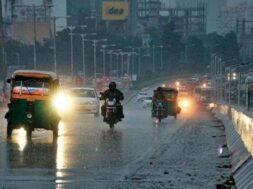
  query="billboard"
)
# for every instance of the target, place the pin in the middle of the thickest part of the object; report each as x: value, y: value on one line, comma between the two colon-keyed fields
x: 27, y: 13
x: 114, y: 10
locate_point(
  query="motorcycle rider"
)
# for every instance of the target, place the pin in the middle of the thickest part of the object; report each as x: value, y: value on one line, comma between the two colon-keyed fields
x: 118, y: 95
x: 158, y: 96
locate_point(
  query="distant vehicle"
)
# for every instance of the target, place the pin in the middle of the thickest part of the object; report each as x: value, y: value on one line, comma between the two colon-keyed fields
x: 85, y: 100
x: 249, y: 78
x: 203, y: 94
x: 147, y: 102
x: 141, y: 96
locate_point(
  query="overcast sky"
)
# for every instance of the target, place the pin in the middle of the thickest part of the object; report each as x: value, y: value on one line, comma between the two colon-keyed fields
x: 229, y: 2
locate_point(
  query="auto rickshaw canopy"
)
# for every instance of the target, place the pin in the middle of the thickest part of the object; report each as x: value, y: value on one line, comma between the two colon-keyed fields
x: 35, y: 74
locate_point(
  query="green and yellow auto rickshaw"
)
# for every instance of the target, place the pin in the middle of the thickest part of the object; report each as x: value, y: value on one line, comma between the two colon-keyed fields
x: 171, y: 95
x: 30, y: 105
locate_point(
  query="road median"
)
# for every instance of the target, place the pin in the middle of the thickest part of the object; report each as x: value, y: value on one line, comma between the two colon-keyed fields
x: 239, y: 134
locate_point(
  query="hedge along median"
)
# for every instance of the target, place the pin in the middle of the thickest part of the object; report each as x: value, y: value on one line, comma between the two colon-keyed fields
x: 239, y: 133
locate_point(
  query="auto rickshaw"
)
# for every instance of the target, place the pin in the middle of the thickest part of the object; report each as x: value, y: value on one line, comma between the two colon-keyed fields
x: 172, y: 102
x: 30, y: 105
x: 172, y: 108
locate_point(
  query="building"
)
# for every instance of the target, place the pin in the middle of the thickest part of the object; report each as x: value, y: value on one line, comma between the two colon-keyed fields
x: 80, y: 11
x: 28, y: 19
x: 239, y: 19
x: 147, y: 15
x: 213, y: 8
x: 187, y: 20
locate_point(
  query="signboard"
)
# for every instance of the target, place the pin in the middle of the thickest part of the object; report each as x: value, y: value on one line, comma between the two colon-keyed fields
x: 114, y: 10
x: 27, y: 13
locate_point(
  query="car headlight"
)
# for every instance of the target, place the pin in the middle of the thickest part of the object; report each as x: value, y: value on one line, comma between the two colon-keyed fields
x: 62, y: 102
x: 184, y: 103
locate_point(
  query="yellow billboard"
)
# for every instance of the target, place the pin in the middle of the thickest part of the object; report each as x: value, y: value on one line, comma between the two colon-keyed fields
x: 114, y: 10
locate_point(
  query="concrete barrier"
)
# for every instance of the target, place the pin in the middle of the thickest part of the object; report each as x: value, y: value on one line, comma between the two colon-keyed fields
x: 239, y: 133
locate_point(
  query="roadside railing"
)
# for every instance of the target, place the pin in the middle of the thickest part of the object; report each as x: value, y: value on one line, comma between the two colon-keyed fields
x: 232, y: 82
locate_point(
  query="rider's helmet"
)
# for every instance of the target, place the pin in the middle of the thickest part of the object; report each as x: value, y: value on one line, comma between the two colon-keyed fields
x: 112, y: 86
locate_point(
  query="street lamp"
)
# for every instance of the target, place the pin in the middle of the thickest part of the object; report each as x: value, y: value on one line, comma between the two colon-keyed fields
x: 103, y: 50
x: 55, y: 46
x: 95, y: 41
x: 122, y: 62
x: 83, y: 35
x: 161, y: 59
x: 117, y: 60
x: 139, y: 61
x: 71, y: 28
x: 153, y: 60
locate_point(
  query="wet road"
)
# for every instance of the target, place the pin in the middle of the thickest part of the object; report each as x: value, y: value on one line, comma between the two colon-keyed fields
x: 85, y: 151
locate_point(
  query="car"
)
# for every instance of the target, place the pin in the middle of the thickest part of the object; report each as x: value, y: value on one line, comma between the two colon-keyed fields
x: 142, y: 95
x: 85, y: 100
x: 147, y: 102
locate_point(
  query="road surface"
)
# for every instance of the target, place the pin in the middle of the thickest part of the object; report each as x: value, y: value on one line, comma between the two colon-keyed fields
x: 136, y: 154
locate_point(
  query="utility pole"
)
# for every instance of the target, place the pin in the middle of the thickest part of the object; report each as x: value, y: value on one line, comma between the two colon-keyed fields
x: 55, y: 50
x: 139, y: 63
x: 122, y: 63
x: 153, y: 60
x: 133, y: 57
x: 35, y: 38
x: 71, y: 28
x: 161, y: 68
x: 95, y: 62
x: 54, y: 18
x: 3, y: 40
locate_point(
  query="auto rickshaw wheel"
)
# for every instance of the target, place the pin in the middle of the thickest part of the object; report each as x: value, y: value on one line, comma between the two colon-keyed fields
x: 55, y: 130
x: 28, y: 132
x: 9, y: 130
x: 175, y: 116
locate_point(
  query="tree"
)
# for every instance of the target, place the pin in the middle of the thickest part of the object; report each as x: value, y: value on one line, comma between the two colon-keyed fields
x: 171, y: 41
x: 194, y: 54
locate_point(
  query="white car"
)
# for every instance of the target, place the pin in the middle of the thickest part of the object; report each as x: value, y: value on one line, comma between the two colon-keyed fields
x: 147, y: 102
x: 86, y: 100
x: 141, y: 96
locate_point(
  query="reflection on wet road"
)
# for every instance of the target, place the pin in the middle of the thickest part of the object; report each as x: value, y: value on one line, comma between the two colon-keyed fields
x: 85, y: 148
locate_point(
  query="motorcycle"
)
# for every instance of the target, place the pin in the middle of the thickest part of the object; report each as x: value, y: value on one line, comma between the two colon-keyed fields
x: 160, y: 111
x: 111, y: 112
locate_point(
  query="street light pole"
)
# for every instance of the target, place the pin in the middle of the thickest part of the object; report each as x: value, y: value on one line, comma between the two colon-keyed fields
x: 95, y: 62
x: 103, y: 50
x: 95, y: 59
x: 55, y: 58
x: 139, y: 63
x: 133, y: 58
x: 161, y: 68
x: 54, y: 41
x: 122, y: 64
x: 110, y: 53
x: 117, y: 61
x: 83, y: 52
x: 71, y: 28
x: 128, y: 63
x: 34, y: 38
x: 153, y: 60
